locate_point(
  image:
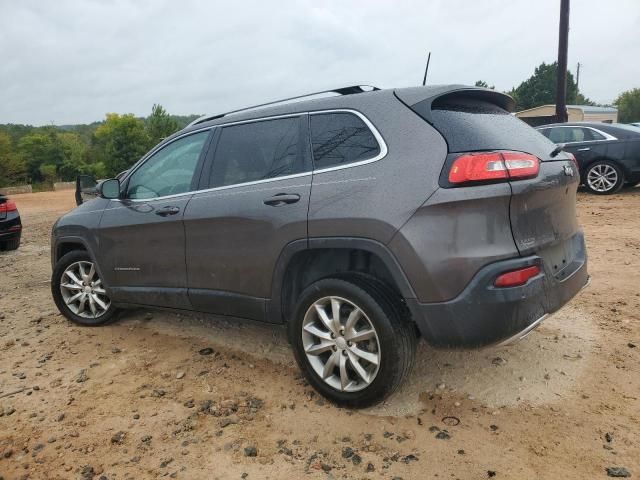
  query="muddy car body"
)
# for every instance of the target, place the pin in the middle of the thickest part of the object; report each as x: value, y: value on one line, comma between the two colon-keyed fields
x: 361, y: 220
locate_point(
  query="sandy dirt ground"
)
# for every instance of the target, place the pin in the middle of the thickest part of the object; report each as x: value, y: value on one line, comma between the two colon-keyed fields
x: 137, y: 399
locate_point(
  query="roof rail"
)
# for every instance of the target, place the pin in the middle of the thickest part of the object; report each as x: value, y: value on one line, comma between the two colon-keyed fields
x: 350, y: 90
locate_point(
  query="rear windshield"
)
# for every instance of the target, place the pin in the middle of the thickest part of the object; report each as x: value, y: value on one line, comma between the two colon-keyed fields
x: 470, y: 125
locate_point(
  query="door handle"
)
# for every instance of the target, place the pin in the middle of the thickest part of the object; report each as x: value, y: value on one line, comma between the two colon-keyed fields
x: 282, y: 199
x: 585, y: 149
x: 166, y: 211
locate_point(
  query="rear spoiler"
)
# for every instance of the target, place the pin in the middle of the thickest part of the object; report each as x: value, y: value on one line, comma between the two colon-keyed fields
x: 423, y: 99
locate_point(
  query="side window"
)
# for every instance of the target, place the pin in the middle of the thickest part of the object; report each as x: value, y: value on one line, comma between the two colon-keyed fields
x: 340, y: 138
x: 168, y: 171
x: 593, y: 135
x: 577, y: 135
x: 257, y: 151
x: 546, y: 132
x: 557, y: 135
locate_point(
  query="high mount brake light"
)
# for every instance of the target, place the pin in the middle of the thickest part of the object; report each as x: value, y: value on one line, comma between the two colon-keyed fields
x: 487, y: 166
x: 8, y: 206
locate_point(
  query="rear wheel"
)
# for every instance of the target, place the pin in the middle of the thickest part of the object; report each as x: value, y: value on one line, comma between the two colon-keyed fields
x: 12, y: 244
x: 603, y: 178
x: 78, y: 290
x: 353, y: 340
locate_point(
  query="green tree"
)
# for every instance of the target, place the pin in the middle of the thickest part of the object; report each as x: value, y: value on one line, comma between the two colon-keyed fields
x: 540, y: 89
x: 77, y: 158
x: 628, y: 104
x: 482, y: 83
x: 160, y: 125
x: 13, y: 169
x: 74, y: 150
x: 48, y: 173
x: 40, y: 147
x: 123, y: 140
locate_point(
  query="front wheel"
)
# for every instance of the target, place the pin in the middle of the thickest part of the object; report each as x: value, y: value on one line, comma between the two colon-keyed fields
x: 78, y: 290
x: 352, y: 339
x: 603, y: 178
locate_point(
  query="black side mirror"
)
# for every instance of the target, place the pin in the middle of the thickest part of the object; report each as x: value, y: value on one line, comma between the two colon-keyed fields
x: 85, y: 188
x: 109, y: 188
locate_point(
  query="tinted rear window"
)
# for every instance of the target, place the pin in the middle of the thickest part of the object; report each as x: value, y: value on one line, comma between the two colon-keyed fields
x: 472, y: 125
x: 257, y: 151
x: 341, y: 138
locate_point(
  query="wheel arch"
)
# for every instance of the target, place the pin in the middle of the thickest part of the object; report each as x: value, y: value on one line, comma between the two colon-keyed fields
x: 304, y: 261
x: 64, y: 245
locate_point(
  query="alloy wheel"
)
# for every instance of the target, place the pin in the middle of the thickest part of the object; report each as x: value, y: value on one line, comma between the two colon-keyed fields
x: 341, y: 344
x: 602, y: 178
x: 82, y: 290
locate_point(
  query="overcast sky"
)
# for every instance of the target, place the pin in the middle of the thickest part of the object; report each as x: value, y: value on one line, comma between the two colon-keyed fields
x: 68, y: 61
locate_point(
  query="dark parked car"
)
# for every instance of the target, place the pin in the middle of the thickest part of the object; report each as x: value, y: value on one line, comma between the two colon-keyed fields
x: 10, y: 225
x: 608, y: 154
x: 361, y: 221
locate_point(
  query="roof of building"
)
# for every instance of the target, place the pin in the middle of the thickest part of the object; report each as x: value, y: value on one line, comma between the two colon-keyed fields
x: 594, y: 109
x: 584, y: 108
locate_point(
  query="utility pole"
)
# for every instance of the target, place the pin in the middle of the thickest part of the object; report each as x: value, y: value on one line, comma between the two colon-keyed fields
x: 577, y: 80
x: 424, y: 80
x: 563, y: 44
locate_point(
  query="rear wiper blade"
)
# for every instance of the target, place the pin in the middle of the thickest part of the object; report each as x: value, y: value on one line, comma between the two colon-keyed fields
x: 557, y: 150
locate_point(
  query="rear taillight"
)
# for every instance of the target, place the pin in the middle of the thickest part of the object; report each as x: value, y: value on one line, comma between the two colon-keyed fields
x: 515, y: 278
x: 489, y: 166
x: 573, y: 159
x: 8, y: 206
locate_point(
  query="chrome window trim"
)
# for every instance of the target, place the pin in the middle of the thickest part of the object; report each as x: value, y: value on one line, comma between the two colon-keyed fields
x: 255, y: 182
x: 607, y: 136
x: 214, y: 189
x: 156, y: 149
x: 150, y: 154
x: 381, y: 143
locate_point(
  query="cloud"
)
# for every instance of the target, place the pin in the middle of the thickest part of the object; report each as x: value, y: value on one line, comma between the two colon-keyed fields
x: 71, y: 62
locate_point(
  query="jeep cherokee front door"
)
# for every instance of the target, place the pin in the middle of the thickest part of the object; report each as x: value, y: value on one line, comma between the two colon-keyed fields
x: 142, y: 242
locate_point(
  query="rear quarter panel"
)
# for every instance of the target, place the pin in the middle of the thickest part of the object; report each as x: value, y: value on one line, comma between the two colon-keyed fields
x: 374, y: 200
x: 455, y: 233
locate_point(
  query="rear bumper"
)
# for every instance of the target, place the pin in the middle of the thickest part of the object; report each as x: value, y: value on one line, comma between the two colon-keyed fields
x: 484, y: 315
x: 9, y: 235
x: 10, y: 228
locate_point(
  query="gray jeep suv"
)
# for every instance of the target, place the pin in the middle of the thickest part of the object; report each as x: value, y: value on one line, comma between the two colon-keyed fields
x: 361, y: 220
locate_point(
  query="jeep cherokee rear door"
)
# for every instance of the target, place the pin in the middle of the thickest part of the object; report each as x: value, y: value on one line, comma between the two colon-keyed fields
x: 257, y: 182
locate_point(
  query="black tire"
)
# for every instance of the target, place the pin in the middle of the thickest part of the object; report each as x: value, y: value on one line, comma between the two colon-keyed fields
x: 57, y: 278
x: 12, y: 244
x: 603, y: 165
x: 390, y: 319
